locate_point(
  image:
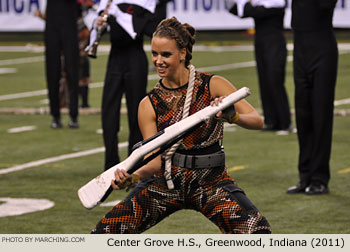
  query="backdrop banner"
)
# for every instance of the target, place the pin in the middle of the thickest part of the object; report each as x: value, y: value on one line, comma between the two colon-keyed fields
x: 18, y: 15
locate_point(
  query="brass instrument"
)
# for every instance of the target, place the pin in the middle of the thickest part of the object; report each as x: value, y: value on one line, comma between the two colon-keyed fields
x: 100, y: 30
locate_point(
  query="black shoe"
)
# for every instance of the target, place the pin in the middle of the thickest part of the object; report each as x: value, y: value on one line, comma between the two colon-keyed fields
x: 315, y: 189
x: 73, y: 124
x: 296, y: 189
x: 56, y: 123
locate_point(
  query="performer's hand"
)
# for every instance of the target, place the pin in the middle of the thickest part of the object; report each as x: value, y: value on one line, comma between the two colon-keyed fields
x: 99, y: 21
x: 227, y: 115
x: 124, y: 180
x: 37, y: 13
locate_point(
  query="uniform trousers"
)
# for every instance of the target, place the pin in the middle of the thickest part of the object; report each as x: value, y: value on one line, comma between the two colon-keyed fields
x: 271, y: 54
x: 127, y: 71
x: 315, y: 73
x: 61, y: 35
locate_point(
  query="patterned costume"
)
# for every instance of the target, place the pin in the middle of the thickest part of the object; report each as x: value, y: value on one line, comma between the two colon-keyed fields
x: 207, y: 190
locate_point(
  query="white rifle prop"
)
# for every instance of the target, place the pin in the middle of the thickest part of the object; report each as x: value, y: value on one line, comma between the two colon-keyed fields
x: 98, y: 189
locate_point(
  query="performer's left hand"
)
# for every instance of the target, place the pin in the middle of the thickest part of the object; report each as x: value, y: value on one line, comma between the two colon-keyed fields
x: 124, y: 180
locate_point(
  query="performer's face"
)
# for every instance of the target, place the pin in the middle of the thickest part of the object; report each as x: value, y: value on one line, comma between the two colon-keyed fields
x: 166, y: 56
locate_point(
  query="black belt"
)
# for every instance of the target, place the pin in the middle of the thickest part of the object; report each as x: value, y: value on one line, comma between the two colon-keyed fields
x: 199, y: 161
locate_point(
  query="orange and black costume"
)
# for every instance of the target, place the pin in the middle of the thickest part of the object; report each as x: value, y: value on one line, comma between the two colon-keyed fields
x: 207, y: 190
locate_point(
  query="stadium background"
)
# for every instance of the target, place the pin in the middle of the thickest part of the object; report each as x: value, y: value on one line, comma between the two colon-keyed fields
x: 41, y: 169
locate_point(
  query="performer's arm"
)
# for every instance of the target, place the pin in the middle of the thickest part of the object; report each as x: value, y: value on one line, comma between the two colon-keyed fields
x: 147, y: 124
x: 246, y: 8
x: 148, y: 127
x: 248, y: 117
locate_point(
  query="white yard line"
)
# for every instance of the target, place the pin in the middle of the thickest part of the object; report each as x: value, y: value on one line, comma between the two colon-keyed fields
x: 8, y: 70
x: 150, y: 77
x: 342, y: 102
x: 343, y: 48
x: 56, y: 159
x: 21, y: 129
x: 21, y: 60
x: 23, y: 95
x: 199, y: 48
x: 155, y: 77
x: 26, y: 48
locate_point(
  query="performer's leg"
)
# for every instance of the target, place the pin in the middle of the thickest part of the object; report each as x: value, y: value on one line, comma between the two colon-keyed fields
x: 84, y: 79
x: 275, y: 65
x: 322, y: 107
x: 53, y: 68
x: 230, y: 209
x: 84, y: 93
x: 135, y: 91
x: 143, y: 208
x: 71, y: 56
x: 218, y: 198
x: 303, y: 115
x: 270, y: 117
x: 111, y: 102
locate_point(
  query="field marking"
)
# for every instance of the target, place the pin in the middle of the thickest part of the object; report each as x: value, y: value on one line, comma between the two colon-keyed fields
x: 344, y: 171
x: 230, y: 127
x: 342, y: 102
x: 21, y: 129
x: 27, y: 48
x: 22, y: 60
x: 19, y: 206
x: 236, y: 168
x: 343, y: 49
x: 106, y: 48
x: 57, y: 158
x: 8, y: 70
x: 23, y: 95
x: 150, y: 77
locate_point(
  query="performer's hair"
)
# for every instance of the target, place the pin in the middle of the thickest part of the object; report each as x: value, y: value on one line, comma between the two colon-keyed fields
x: 183, y: 34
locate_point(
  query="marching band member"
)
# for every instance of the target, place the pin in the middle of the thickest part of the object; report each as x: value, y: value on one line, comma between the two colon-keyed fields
x: 271, y: 56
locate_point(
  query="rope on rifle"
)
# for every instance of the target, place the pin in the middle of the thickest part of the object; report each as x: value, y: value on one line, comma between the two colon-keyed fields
x: 185, y: 113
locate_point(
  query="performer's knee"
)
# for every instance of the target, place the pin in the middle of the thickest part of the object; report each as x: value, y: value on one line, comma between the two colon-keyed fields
x: 238, y: 195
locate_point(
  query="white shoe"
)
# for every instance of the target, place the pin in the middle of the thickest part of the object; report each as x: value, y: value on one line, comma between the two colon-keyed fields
x: 285, y: 132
